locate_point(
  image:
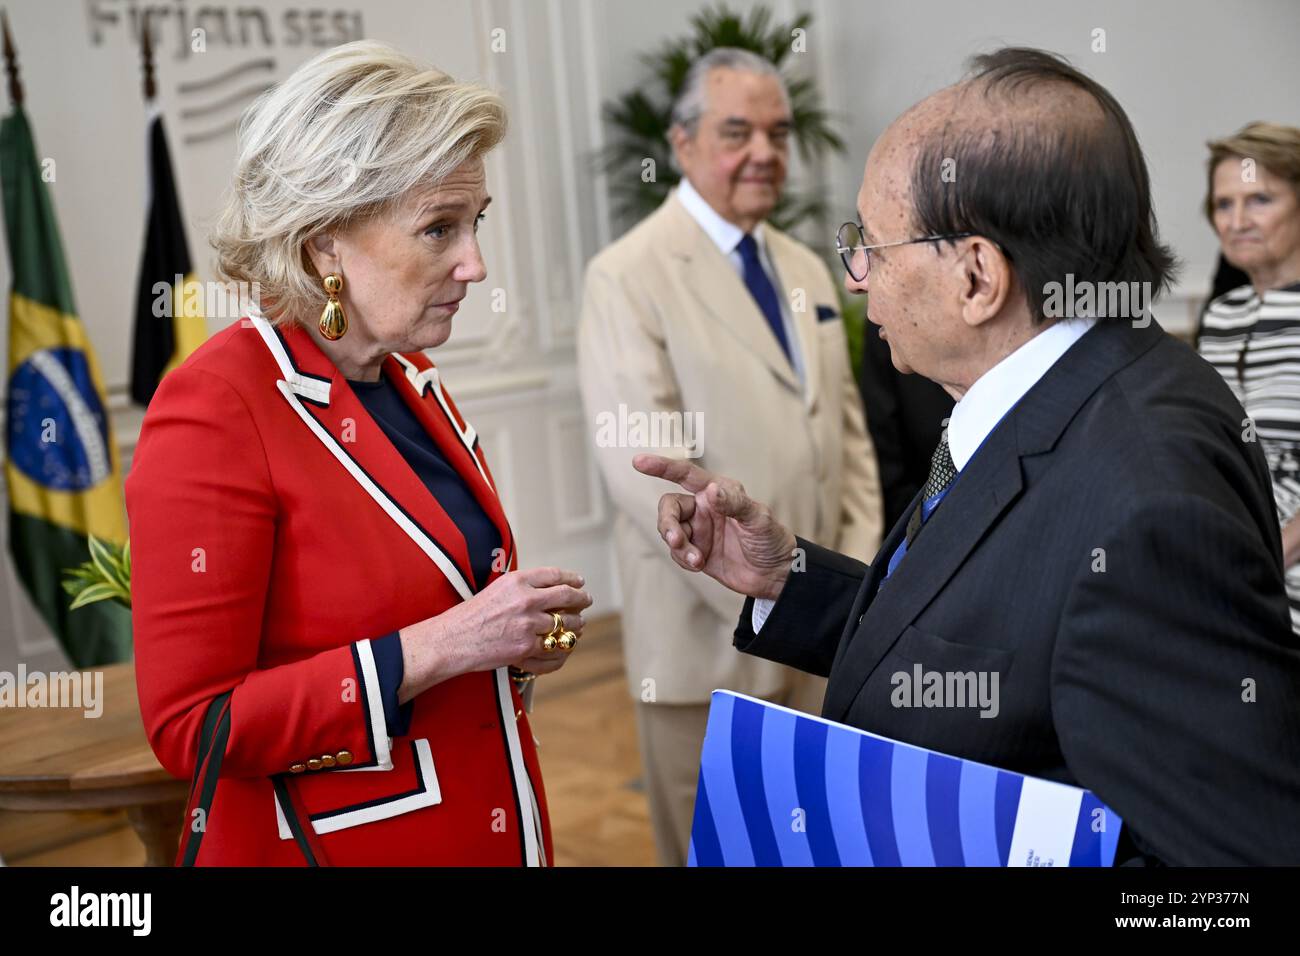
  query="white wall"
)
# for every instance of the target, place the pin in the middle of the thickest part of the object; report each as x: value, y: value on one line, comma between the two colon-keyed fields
x: 513, y: 373
x: 1185, y: 71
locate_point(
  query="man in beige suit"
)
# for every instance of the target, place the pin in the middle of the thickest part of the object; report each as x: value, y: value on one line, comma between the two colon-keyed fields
x: 709, y: 334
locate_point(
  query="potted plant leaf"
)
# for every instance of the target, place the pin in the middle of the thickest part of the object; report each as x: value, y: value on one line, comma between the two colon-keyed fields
x: 105, y: 577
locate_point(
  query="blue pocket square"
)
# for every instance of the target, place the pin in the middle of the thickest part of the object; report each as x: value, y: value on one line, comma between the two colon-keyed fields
x: 825, y: 313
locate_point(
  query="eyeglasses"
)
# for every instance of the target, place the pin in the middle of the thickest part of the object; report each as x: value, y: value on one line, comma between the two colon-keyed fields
x: 848, y: 248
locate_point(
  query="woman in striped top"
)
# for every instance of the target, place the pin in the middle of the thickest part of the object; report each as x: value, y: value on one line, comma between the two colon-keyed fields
x: 1251, y: 334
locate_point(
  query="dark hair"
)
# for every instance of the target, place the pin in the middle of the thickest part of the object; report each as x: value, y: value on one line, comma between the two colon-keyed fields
x: 1063, y: 195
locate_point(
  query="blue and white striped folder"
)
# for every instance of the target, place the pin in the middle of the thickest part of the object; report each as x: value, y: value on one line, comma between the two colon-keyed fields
x: 780, y: 788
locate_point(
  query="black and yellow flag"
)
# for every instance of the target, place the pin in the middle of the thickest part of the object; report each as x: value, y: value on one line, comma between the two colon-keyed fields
x: 169, y: 322
x: 61, y: 465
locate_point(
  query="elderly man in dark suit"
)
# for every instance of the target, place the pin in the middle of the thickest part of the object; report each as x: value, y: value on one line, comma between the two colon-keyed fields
x: 1097, y: 532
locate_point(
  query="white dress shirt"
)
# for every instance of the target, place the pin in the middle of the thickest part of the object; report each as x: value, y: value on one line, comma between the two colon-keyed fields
x: 726, y: 236
x: 993, y: 395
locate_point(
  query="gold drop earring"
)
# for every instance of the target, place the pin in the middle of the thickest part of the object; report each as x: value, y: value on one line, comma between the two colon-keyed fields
x: 333, y: 321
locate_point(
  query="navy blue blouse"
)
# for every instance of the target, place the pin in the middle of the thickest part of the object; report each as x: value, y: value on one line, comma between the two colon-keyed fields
x: 482, y: 539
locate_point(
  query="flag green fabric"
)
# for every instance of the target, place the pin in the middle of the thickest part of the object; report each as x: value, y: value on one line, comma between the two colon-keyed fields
x: 61, y: 463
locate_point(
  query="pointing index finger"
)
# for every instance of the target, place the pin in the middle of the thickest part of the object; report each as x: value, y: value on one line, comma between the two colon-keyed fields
x: 690, y: 476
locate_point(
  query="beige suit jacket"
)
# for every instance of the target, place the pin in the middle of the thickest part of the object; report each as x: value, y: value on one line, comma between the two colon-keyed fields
x: 669, y: 326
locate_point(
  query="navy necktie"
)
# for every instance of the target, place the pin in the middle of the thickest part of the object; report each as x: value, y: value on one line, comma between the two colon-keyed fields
x: 761, y: 288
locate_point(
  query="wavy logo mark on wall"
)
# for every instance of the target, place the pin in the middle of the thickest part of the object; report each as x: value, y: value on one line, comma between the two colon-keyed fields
x: 187, y: 33
x: 222, y: 99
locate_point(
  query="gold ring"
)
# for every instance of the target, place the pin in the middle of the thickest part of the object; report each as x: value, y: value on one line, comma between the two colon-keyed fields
x: 567, y: 640
x: 550, y: 640
x: 557, y: 625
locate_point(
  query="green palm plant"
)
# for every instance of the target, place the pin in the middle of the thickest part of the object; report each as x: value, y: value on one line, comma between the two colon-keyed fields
x: 641, y: 117
x: 105, y: 577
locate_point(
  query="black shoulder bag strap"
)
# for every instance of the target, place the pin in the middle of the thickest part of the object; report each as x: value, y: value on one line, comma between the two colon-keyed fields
x: 213, y: 736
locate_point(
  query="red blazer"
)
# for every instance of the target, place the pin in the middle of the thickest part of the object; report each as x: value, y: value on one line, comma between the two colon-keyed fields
x: 275, y: 531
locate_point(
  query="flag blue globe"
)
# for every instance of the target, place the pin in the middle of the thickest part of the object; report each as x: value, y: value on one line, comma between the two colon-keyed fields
x: 56, y: 427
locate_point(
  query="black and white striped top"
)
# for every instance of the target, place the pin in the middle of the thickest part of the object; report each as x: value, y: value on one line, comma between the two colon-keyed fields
x: 1254, y: 342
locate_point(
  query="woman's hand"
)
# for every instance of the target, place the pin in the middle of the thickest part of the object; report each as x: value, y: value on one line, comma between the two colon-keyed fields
x: 501, y: 625
x: 720, y: 530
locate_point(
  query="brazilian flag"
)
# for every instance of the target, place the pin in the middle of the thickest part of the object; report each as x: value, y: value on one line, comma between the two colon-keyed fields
x: 61, y: 465
x: 168, y: 327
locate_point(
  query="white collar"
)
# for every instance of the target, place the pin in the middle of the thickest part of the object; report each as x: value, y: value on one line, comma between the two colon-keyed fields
x: 725, y: 235
x: 997, y: 390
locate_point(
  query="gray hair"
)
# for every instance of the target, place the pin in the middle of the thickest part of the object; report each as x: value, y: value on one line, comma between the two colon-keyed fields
x: 689, y: 105
x: 343, y: 138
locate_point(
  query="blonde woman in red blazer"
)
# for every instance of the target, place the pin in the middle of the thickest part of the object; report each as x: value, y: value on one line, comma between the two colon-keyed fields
x: 331, y: 630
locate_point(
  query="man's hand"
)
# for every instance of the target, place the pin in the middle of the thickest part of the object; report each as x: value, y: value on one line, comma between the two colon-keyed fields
x: 720, y: 530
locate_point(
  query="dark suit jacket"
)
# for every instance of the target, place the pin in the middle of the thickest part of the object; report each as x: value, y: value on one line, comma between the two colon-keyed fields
x: 1167, y: 683
x: 905, y: 416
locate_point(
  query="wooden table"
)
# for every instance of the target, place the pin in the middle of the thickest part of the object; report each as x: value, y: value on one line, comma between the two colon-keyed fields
x: 55, y: 758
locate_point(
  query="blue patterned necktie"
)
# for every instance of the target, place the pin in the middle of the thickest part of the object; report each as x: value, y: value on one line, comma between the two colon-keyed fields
x: 761, y: 288
x: 942, y: 474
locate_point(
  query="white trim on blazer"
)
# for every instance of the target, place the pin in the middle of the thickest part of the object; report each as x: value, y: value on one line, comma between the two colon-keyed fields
x: 296, y: 384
